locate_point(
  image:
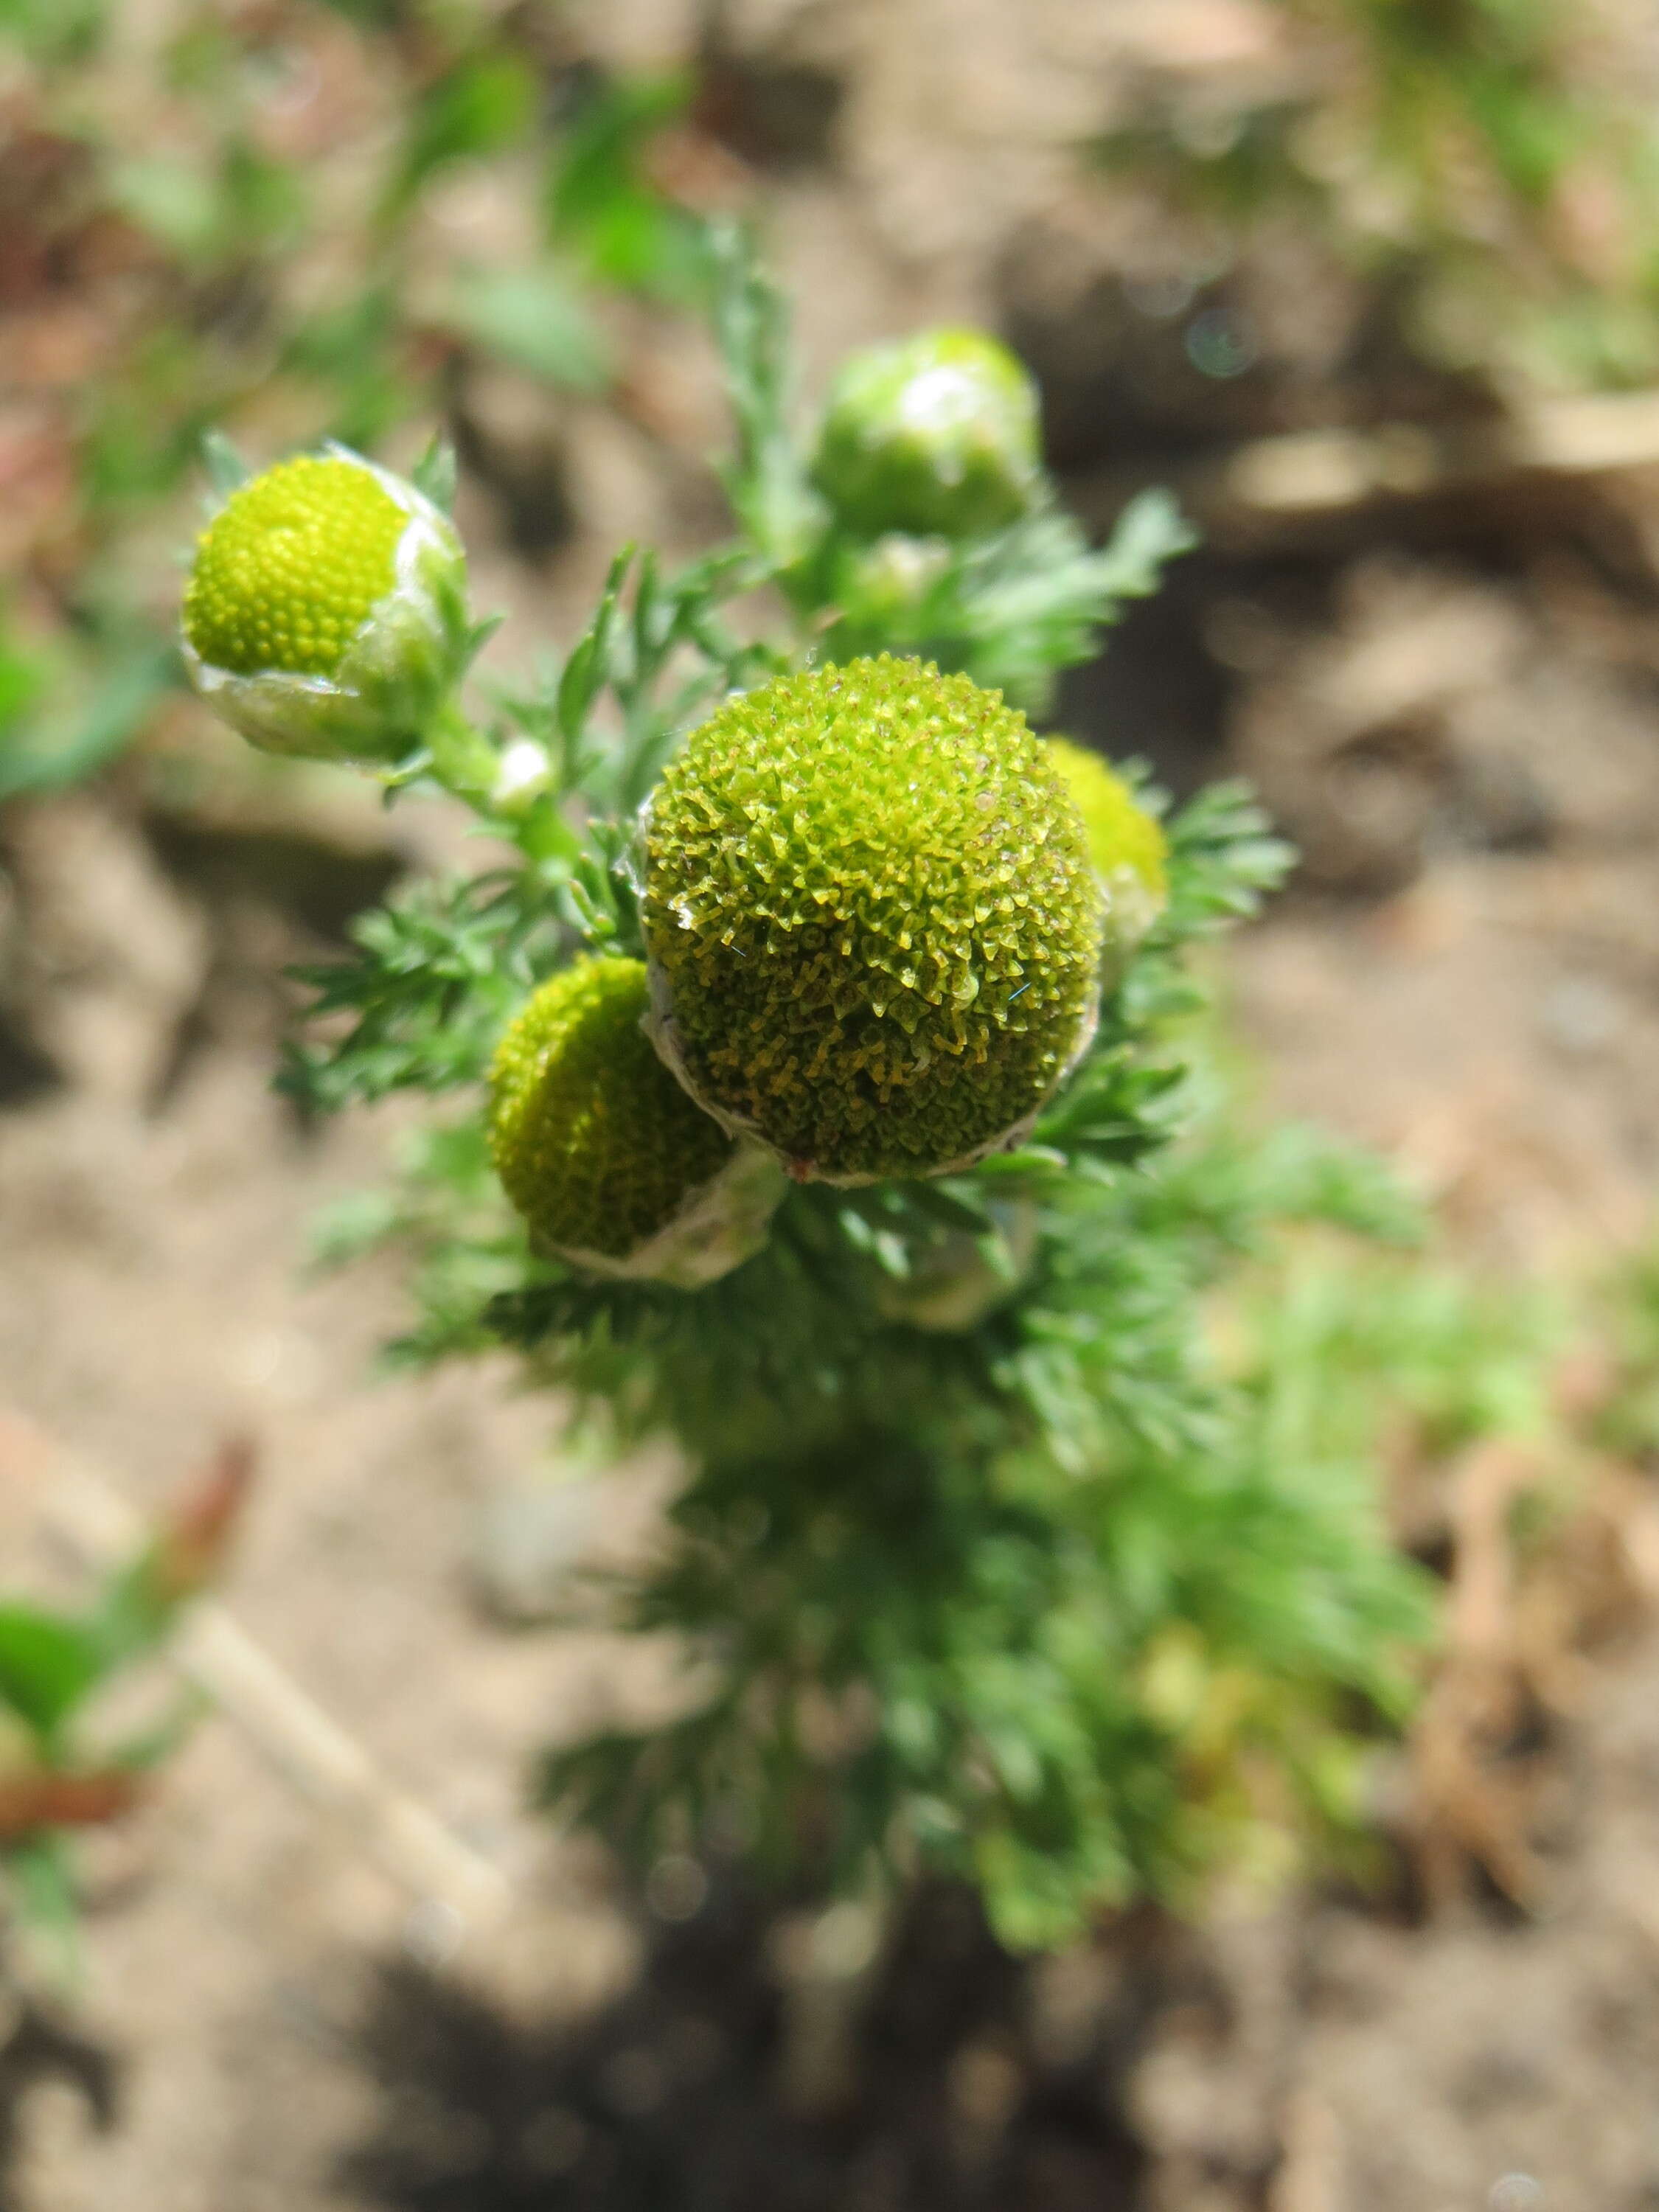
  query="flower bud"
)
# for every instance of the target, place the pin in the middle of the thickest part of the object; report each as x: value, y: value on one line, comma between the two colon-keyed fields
x: 882, y: 585
x: 873, y: 927
x: 1127, y: 845
x: 936, y: 436
x: 600, y: 1148
x: 326, y: 615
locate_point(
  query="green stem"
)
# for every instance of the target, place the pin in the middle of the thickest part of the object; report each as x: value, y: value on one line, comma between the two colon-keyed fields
x: 463, y: 759
x: 469, y: 769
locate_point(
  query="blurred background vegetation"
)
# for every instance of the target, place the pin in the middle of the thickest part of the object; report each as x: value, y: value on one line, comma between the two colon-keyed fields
x: 293, y: 222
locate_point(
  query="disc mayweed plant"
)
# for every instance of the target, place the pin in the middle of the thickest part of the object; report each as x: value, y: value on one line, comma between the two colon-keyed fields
x: 821, y: 1052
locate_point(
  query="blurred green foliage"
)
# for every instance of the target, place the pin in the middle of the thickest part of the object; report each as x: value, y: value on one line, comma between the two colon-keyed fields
x: 1628, y: 1422
x: 308, y: 219
x: 299, y: 222
x: 71, y: 1757
x: 1487, y: 169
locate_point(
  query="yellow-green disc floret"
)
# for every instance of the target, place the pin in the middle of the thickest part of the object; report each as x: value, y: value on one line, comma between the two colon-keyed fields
x: 1122, y: 834
x: 596, y: 1144
x: 292, y: 567
x: 876, y: 928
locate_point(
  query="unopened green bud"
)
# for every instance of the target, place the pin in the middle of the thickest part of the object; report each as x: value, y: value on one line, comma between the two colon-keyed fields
x: 326, y: 615
x: 936, y: 436
x: 882, y: 585
x: 601, y: 1150
x: 1127, y: 844
x: 873, y: 927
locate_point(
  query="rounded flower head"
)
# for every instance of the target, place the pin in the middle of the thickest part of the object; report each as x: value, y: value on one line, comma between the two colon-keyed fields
x: 325, y: 614
x: 936, y: 436
x: 1125, y: 843
x: 873, y: 927
x: 600, y: 1149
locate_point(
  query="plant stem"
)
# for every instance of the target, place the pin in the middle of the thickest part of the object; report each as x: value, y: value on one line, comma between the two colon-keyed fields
x: 463, y: 759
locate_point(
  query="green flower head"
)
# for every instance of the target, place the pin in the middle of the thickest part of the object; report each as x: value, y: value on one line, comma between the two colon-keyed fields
x: 602, y: 1152
x: 873, y: 926
x: 326, y: 615
x: 937, y: 435
x: 1127, y: 844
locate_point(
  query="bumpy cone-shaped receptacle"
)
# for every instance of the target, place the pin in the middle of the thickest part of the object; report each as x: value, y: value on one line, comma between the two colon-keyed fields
x: 613, y: 1167
x: 1127, y: 844
x: 325, y: 614
x: 873, y: 925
